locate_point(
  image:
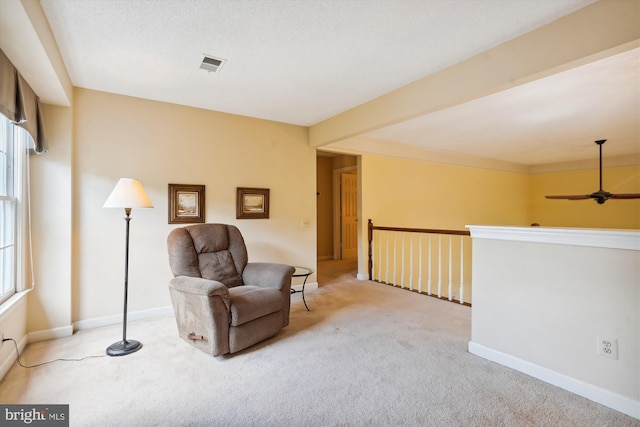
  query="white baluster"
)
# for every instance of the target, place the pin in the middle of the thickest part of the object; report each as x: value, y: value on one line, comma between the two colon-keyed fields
x: 439, y: 265
x: 373, y: 255
x: 380, y: 257
x: 450, y: 264
x: 402, y: 256
x: 429, y: 266
x: 395, y: 263
x: 420, y: 263
x: 461, y: 269
x: 411, y: 261
x: 387, y: 269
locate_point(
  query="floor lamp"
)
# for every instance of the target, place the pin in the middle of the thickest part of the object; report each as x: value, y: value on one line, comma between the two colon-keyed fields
x: 128, y: 193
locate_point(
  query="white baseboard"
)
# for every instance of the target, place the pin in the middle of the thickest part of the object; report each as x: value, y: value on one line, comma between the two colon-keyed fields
x: 362, y: 276
x: 599, y: 395
x: 117, y: 318
x: 8, y: 363
x: 49, y: 334
x: 307, y: 287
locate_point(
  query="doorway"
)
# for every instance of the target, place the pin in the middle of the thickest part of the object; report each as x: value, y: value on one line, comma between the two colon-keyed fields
x: 337, y: 206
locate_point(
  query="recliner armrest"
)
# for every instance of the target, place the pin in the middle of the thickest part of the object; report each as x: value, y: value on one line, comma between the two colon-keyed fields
x: 268, y: 275
x: 199, y: 286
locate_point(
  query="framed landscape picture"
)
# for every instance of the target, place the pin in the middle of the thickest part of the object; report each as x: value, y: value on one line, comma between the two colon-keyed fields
x: 252, y: 203
x: 186, y: 204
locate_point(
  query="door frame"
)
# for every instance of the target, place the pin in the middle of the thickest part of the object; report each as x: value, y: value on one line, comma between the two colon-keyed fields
x: 337, y: 241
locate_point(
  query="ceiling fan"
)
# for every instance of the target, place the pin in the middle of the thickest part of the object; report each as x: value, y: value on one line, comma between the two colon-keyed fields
x: 600, y: 196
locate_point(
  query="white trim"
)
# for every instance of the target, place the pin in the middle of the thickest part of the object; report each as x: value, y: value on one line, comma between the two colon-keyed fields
x: 7, y: 306
x: 598, y: 238
x: 362, y: 276
x: 599, y: 395
x: 50, y: 334
x: 117, y: 318
x: 8, y: 363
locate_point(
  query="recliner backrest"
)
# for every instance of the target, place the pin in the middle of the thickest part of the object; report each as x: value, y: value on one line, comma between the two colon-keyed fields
x: 211, y: 251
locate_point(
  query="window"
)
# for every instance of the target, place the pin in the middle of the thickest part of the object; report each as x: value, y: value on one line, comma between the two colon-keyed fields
x: 13, y: 146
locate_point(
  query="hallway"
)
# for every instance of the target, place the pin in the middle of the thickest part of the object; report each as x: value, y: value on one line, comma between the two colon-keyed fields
x: 333, y: 270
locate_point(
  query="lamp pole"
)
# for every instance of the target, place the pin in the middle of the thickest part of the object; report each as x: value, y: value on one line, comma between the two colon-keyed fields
x: 125, y: 346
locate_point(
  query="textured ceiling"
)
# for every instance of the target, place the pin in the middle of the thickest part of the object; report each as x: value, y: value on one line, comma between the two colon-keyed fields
x: 291, y: 61
x: 301, y: 62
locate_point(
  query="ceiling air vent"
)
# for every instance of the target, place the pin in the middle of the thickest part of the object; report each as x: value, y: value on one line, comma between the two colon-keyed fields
x: 212, y: 64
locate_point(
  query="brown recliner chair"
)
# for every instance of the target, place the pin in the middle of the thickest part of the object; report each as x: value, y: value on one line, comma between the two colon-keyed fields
x: 223, y: 303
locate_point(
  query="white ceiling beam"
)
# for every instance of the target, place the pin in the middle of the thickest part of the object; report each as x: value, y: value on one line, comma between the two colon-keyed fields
x: 603, y: 29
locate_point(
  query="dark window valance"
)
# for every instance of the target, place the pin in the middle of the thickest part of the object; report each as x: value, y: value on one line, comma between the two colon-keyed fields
x: 8, y: 88
x: 20, y: 104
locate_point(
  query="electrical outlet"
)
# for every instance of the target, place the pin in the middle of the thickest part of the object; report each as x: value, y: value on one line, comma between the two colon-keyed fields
x: 608, y: 347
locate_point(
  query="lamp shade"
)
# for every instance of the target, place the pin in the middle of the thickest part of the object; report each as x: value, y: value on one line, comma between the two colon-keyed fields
x: 128, y: 193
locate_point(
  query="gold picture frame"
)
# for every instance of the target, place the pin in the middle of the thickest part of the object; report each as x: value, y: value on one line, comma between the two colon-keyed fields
x: 252, y: 203
x: 186, y: 204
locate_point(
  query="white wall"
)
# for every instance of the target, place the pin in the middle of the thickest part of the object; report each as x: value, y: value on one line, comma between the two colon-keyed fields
x: 543, y: 297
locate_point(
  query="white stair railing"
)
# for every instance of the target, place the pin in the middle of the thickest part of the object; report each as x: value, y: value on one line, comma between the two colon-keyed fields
x: 447, y: 260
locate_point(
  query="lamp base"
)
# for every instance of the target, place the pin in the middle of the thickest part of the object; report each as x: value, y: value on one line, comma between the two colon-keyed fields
x: 123, y: 348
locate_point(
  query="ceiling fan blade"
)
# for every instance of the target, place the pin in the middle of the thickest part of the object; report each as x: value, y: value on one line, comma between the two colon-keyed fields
x: 571, y: 197
x: 625, y: 196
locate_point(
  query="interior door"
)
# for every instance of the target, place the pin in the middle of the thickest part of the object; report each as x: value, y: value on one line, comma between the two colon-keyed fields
x: 349, y: 214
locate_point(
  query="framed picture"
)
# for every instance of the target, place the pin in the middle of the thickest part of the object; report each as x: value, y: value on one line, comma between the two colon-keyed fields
x: 252, y: 203
x: 186, y: 204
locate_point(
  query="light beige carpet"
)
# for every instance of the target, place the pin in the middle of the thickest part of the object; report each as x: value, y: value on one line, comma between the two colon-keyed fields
x: 366, y: 355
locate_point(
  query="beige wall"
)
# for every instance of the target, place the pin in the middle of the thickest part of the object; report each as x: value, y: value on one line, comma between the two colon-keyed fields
x: 116, y: 136
x: 408, y: 193
x: 78, y: 245
x: 52, y: 224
